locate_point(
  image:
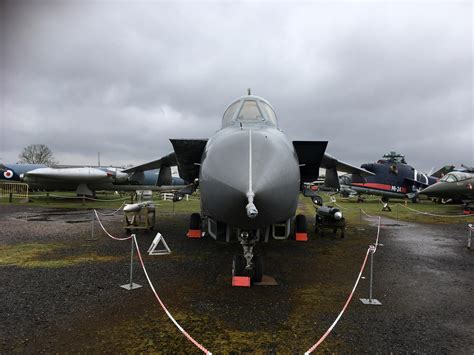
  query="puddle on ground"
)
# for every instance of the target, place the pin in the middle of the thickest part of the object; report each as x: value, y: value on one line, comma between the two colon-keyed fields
x: 57, y: 216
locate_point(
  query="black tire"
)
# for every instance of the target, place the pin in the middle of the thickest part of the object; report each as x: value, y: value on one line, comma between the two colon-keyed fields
x: 238, y: 265
x: 300, y: 224
x: 384, y: 199
x: 257, y: 268
x: 195, y: 221
x: 415, y: 199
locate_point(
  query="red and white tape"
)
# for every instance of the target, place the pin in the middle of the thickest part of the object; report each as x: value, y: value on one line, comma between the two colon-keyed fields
x: 372, y: 249
x: 181, y: 329
x: 170, y: 316
x: 325, y: 335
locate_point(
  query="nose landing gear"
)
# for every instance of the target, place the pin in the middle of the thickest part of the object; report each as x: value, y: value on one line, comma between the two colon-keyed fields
x: 249, y: 265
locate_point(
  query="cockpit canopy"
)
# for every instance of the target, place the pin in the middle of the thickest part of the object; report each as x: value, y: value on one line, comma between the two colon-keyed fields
x: 455, y: 176
x: 249, y: 109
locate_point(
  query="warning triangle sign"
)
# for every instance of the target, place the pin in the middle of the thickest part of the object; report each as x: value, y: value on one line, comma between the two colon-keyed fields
x: 152, y: 250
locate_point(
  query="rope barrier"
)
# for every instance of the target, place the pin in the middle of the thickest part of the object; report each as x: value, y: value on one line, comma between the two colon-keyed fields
x: 168, y: 313
x: 378, y: 235
x: 181, y: 329
x: 113, y: 213
x: 371, y: 249
x: 411, y: 209
x: 325, y: 335
x: 368, y: 215
x: 110, y: 235
x: 435, y: 215
x: 79, y: 198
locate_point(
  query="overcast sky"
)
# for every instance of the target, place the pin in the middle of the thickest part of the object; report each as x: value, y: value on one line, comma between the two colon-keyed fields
x: 122, y: 77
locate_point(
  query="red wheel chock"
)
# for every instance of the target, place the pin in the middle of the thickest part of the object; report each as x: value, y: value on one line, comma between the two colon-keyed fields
x: 194, y: 233
x: 241, y: 281
x: 301, y: 237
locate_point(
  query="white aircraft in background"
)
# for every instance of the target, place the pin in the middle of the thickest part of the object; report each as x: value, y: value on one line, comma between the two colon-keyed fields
x: 85, y: 180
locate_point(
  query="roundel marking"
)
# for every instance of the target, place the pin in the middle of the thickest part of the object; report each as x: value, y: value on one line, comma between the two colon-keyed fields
x: 8, y: 174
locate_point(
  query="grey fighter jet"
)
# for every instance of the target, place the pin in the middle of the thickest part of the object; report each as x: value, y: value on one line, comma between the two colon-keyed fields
x: 456, y: 185
x: 250, y: 176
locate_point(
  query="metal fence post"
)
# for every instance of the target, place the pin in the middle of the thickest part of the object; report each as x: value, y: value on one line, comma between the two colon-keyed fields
x: 371, y: 301
x: 470, y: 236
x: 92, y: 237
x: 131, y: 285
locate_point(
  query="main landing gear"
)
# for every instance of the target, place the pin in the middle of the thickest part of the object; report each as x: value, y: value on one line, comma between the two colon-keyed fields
x: 249, y: 264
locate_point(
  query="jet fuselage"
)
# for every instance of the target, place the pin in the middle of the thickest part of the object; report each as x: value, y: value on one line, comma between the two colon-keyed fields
x: 253, y: 158
x: 391, y: 180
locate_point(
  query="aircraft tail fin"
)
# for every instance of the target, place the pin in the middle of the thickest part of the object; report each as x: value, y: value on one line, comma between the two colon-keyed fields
x: 443, y: 171
x: 468, y: 169
x: 164, y: 177
x: 310, y: 155
x: 332, y: 179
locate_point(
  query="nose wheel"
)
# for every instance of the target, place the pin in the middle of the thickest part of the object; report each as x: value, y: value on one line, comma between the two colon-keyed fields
x: 249, y: 265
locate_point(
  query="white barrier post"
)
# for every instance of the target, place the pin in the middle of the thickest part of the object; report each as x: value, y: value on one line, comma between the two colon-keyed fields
x: 471, y: 227
x: 92, y: 237
x: 371, y: 301
x: 131, y: 285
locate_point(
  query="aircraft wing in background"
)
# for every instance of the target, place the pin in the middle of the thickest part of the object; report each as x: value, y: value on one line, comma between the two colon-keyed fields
x: 333, y: 165
x: 137, y: 173
x: 167, y: 160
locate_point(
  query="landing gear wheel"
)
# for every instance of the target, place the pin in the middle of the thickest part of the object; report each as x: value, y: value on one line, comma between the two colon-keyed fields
x: 195, y: 221
x: 415, y: 199
x: 238, y: 265
x: 384, y: 199
x: 257, y: 268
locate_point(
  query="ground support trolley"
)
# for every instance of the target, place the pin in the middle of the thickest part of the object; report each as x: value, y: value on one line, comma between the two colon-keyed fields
x: 322, y: 222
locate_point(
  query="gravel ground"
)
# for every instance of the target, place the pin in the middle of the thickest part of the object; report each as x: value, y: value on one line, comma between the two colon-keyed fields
x: 60, y: 291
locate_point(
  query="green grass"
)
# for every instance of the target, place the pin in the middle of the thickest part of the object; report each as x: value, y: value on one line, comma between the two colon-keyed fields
x: 351, y: 209
x: 106, y: 201
x: 445, y: 214
x: 40, y: 255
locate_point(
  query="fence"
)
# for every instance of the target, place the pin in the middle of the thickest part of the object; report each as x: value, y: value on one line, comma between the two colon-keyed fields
x: 16, y: 189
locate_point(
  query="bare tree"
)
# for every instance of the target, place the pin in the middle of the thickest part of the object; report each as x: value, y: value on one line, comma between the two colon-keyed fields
x: 37, y: 154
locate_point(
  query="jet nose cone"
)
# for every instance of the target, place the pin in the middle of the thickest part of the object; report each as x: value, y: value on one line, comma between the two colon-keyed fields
x: 430, y: 190
x: 233, y: 167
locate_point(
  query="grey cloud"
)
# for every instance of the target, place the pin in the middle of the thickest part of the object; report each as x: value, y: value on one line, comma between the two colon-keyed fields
x: 122, y: 77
